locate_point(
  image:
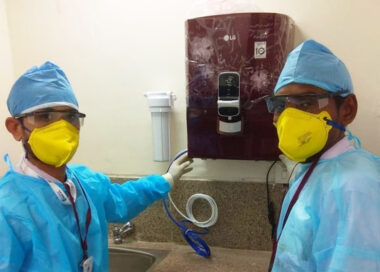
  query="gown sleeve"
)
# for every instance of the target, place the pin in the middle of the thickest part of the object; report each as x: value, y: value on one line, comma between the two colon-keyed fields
x: 125, y: 201
x: 122, y: 202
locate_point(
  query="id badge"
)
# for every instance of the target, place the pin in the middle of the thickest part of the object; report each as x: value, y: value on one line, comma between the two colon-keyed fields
x: 87, y: 264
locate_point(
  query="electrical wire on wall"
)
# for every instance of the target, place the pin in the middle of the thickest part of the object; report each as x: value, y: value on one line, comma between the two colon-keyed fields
x: 270, y: 204
x: 192, y: 236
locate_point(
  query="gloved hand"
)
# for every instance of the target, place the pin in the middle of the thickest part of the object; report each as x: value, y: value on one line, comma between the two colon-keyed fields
x: 179, y: 167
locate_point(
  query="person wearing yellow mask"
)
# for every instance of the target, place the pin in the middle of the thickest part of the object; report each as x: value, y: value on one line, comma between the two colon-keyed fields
x: 330, y: 218
x: 53, y: 216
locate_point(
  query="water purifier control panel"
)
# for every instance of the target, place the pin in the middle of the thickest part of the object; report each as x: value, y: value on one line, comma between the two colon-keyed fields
x: 229, y: 121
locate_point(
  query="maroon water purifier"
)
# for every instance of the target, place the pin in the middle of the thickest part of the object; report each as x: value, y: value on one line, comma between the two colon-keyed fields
x: 232, y: 61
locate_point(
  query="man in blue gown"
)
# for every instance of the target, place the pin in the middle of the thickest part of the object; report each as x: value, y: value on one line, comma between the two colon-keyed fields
x: 53, y: 216
x: 330, y: 217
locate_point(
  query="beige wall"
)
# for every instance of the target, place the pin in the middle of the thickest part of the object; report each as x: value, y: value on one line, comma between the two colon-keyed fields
x: 114, y: 51
x: 7, y: 144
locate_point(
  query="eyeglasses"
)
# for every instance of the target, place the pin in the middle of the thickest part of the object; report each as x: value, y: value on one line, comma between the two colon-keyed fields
x: 305, y: 102
x: 44, y: 118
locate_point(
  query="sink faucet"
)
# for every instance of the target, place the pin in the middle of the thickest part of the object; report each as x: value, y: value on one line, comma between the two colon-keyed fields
x: 119, y: 233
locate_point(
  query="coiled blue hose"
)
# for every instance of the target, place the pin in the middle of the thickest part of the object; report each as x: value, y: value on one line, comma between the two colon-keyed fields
x: 191, y: 236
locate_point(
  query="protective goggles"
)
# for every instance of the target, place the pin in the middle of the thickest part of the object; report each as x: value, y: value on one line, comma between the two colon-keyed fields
x: 305, y: 102
x: 44, y: 118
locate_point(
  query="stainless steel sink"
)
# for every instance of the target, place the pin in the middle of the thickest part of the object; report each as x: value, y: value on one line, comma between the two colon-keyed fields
x: 134, y: 260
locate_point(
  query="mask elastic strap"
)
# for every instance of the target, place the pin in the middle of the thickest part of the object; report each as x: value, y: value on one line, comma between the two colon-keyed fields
x: 357, y: 142
x: 24, y: 144
x: 23, y: 126
x: 335, y: 124
x: 7, y: 160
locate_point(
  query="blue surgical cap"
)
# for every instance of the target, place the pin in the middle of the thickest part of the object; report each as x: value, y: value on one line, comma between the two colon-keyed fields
x: 41, y: 87
x: 314, y: 64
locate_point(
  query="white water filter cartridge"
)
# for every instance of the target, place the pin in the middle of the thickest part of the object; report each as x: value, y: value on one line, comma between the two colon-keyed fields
x: 160, y: 106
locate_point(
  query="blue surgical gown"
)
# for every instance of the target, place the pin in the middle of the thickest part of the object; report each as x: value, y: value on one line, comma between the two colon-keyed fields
x: 335, y: 223
x: 39, y: 233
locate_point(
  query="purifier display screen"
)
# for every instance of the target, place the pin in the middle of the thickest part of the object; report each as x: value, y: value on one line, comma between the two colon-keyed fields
x: 228, y: 86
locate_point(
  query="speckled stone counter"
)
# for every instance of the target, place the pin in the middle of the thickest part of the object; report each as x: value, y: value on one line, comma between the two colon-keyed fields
x: 242, y: 221
x: 183, y: 258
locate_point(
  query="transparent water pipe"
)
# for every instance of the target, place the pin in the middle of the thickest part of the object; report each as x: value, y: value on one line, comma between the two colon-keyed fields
x: 160, y: 105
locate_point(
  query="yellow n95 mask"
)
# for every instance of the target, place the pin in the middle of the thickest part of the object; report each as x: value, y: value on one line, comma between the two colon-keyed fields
x: 56, y: 143
x: 302, y: 134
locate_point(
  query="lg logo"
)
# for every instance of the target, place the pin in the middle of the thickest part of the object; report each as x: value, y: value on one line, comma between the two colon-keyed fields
x: 229, y: 37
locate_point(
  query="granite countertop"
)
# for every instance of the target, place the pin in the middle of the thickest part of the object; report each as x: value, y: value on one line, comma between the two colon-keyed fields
x: 183, y: 258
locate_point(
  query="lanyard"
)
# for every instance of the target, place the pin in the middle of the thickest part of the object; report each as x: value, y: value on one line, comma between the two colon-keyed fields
x: 88, y: 218
x: 290, y: 207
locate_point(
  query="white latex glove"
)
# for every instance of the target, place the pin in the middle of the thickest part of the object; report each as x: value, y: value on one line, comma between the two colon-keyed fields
x: 179, y: 167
